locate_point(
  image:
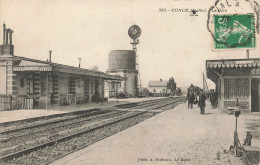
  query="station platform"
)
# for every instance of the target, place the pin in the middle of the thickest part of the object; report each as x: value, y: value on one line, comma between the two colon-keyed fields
x: 13, y: 115
x: 177, y: 136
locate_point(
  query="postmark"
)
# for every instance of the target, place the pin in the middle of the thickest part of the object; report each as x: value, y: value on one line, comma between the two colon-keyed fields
x: 233, y: 24
x: 234, y: 31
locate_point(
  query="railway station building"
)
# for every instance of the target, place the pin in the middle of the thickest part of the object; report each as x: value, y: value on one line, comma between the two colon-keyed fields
x: 237, y: 82
x: 31, y: 83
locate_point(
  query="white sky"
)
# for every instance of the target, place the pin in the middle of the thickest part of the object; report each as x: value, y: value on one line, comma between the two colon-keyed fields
x: 171, y: 44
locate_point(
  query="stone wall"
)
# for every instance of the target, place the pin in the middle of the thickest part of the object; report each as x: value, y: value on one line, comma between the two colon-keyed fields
x: 241, y: 104
x: 3, y: 79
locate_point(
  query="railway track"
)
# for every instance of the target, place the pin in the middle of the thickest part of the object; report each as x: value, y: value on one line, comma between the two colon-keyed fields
x: 27, y: 138
x: 151, y: 104
x: 95, y: 129
x: 38, y: 125
x: 19, y: 124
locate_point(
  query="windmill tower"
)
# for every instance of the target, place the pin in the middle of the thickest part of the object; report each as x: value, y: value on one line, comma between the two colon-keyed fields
x: 134, y: 33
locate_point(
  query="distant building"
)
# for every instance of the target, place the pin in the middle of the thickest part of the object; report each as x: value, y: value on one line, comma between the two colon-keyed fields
x: 158, y: 87
x: 237, y: 82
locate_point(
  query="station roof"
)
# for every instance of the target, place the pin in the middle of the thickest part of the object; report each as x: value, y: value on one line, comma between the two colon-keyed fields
x: 233, y: 63
x: 215, y: 67
x: 26, y: 64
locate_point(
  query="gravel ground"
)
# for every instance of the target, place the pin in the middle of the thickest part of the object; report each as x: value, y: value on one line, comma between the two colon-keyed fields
x: 6, y: 116
x: 47, y: 153
x: 178, y: 136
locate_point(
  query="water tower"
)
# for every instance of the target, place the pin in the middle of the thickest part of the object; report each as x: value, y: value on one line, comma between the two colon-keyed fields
x: 124, y: 63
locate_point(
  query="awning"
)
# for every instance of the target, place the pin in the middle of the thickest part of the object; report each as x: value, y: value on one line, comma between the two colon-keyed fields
x: 216, y: 68
x: 32, y: 68
x: 233, y: 63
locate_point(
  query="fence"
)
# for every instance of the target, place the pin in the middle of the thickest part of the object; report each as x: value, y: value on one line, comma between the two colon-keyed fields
x: 6, y: 102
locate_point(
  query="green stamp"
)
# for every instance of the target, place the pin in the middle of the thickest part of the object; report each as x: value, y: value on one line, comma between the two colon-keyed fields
x: 234, y: 31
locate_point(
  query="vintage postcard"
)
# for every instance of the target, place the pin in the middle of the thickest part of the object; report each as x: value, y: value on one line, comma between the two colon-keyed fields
x: 129, y: 82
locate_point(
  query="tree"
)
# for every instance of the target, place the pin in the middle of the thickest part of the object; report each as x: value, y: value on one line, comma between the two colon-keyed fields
x: 171, y: 85
x: 95, y: 68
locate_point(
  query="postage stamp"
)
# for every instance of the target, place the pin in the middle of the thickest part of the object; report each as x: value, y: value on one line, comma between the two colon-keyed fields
x: 234, y: 31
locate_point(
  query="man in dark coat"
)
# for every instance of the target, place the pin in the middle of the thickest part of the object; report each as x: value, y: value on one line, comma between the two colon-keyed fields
x: 192, y: 98
x: 215, y: 101
x: 211, y: 98
x: 202, y: 99
x: 188, y: 98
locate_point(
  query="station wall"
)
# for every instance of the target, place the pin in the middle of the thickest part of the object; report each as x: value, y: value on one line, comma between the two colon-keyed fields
x: 3, y: 80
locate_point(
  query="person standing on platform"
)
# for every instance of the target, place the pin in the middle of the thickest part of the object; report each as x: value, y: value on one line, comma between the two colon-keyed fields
x: 198, y: 101
x: 202, y: 99
x: 211, y: 98
x: 192, y: 98
x: 188, y: 98
x: 215, y: 104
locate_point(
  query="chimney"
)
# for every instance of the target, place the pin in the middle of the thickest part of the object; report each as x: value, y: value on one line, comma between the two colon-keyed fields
x: 50, y: 55
x: 79, y: 61
x: 247, y: 54
x: 4, y: 29
x: 6, y: 36
x: 10, y: 37
x: 7, y: 46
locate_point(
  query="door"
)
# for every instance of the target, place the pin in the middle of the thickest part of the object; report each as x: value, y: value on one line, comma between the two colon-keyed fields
x: 255, y: 95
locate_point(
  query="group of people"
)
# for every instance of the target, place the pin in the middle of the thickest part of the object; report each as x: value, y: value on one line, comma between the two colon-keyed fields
x: 192, y: 98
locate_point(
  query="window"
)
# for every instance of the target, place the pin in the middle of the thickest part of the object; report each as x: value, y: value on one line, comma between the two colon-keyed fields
x: 237, y: 87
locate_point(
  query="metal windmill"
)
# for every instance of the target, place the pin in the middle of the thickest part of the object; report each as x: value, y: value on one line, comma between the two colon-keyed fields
x: 134, y: 32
